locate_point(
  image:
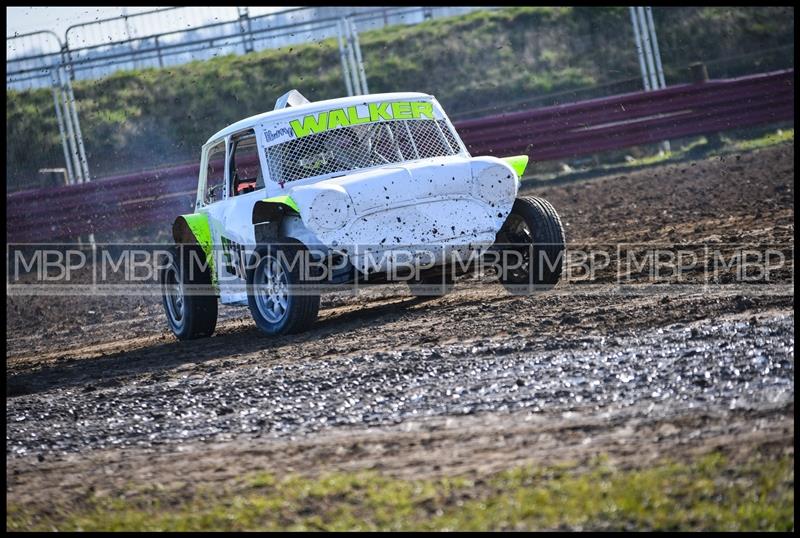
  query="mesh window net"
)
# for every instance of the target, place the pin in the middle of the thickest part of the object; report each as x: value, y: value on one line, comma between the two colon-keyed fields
x: 360, y: 146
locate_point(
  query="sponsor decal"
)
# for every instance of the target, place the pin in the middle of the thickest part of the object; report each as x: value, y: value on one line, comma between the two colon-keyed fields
x: 234, y: 257
x: 352, y: 115
x: 269, y: 136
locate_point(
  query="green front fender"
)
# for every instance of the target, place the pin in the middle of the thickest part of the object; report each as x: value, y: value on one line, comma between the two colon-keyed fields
x: 195, y: 229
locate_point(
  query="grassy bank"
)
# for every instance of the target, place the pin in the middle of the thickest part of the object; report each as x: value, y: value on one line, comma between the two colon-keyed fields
x: 133, y: 120
x: 687, y: 149
x: 710, y: 493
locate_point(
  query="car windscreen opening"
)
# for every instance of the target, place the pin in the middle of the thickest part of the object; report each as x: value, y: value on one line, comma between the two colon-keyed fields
x: 358, y: 147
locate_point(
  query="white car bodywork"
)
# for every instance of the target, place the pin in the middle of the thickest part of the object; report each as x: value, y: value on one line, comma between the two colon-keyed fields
x: 453, y: 201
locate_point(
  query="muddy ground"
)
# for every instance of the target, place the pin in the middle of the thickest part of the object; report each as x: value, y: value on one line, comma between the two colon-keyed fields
x: 102, y: 398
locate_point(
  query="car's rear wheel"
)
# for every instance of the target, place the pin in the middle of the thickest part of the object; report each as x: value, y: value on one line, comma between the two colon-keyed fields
x: 279, y: 302
x: 187, y: 294
x: 534, y: 243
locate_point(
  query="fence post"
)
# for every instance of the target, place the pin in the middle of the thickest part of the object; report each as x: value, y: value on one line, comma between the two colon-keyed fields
x: 653, y: 56
x: 343, y: 56
x: 66, y: 59
x: 245, y: 29
x: 158, y: 50
x: 351, y: 56
x: 77, y: 128
x: 55, y: 87
x: 656, y: 51
x: 699, y: 72
x: 639, y: 49
x: 76, y: 160
x: 362, y: 75
x: 648, y: 49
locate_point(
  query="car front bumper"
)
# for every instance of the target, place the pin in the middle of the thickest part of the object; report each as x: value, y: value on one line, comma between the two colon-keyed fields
x: 425, y: 234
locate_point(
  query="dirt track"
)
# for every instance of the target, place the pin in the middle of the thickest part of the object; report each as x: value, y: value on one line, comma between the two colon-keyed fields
x: 483, y: 379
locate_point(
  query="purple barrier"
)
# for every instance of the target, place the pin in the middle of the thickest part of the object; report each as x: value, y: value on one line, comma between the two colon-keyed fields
x: 586, y: 127
x: 156, y: 197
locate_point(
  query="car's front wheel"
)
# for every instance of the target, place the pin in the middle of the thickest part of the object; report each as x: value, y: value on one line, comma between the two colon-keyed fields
x: 533, y: 241
x: 187, y: 294
x: 279, y: 300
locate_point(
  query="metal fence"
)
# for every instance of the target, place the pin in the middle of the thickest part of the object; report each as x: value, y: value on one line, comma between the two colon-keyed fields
x: 154, y: 198
x: 88, y: 51
x: 91, y: 51
x: 51, y: 70
x: 616, y: 122
x: 538, y: 68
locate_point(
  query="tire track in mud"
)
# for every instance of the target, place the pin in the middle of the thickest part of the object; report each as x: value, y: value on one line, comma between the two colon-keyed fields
x: 739, y: 362
x: 405, y: 323
x: 746, y: 198
x: 102, y: 380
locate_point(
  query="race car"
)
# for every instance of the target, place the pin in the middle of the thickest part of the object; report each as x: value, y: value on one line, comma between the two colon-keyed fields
x: 373, y: 188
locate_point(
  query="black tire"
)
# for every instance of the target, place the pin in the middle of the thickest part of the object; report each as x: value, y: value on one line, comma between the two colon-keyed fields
x: 194, y: 314
x: 300, y: 310
x: 533, y: 228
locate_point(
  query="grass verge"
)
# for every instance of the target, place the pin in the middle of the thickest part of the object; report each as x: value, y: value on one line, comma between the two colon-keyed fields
x: 769, y: 139
x: 697, y: 149
x: 708, y: 493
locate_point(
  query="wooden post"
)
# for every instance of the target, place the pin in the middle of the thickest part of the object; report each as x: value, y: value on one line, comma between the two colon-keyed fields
x: 699, y: 72
x: 700, y: 76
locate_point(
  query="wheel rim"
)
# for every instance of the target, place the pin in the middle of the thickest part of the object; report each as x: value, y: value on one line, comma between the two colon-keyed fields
x: 272, y: 290
x: 174, y: 297
x: 520, y: 237
x: 518, y: 230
